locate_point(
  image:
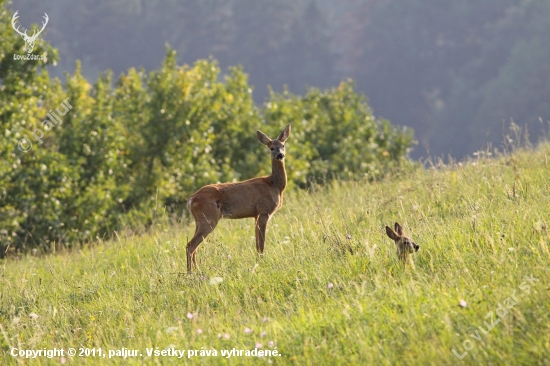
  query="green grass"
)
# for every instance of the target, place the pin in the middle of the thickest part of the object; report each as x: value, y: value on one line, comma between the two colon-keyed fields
x: 482, y: 226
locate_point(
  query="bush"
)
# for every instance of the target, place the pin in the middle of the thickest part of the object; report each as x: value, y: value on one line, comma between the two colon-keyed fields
x: 127, y: 150
x: 335, y: 135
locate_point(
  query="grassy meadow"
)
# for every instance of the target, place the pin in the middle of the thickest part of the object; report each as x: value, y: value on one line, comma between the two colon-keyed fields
x: 329, y: 289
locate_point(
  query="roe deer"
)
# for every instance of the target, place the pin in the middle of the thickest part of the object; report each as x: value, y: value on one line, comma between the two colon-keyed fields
x: 256, y: 197
x: 404, y: 245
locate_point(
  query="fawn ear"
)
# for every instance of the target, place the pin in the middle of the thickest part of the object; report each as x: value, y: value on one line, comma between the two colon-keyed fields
x: 392, y: 234
x: 263, y: 137
x: 398, y: 228
x: 284, y: 135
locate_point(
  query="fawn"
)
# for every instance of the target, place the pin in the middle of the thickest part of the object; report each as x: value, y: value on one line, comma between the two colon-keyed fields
x: 257, y: 197
x: 404, y: 245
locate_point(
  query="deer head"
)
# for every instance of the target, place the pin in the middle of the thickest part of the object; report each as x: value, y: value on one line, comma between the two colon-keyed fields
x: 276, y: 146
x: 29, y: 40
x: 404, y: 245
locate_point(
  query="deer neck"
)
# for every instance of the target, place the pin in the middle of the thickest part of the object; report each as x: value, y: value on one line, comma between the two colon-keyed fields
x: 278, y: 174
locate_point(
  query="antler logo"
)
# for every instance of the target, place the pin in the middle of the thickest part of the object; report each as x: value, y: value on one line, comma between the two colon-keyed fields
x: 29, y: 40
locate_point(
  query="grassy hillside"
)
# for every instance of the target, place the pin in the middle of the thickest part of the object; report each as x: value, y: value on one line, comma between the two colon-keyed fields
x: 482, y: 227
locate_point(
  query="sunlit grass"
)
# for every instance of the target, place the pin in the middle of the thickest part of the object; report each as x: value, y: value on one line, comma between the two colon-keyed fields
x: 329, y: 290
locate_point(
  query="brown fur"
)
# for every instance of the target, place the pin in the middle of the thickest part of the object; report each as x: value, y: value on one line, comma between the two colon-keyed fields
x: 404, y: 245
x: 257, y: 197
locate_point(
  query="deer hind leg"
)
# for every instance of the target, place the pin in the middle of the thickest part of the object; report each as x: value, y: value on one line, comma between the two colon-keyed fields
x: 206, y: 217
x: 261, y: 225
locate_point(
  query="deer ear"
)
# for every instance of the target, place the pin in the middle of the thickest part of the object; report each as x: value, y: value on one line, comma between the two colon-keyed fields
x: 284, y: 135
x: 263, y: 137
x: 398, y: 228
x: 392, y: 234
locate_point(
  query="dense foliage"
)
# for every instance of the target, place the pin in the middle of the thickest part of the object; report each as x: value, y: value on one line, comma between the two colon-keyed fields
x: 129, y: 148
x: 454, y: 71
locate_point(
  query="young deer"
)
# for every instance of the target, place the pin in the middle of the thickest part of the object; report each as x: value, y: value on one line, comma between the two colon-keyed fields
x: 257, y: 197
x: 404, y: 245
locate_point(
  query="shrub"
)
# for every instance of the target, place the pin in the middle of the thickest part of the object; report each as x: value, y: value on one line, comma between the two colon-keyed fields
x: 335, y: 135
x: 131, y: 148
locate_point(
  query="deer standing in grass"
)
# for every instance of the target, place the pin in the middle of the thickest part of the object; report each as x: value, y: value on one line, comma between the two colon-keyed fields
x: 404, y: 245
x: 257, y: 197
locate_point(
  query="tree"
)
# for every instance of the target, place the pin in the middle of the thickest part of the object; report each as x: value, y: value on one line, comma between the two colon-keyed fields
x: 33, y: 179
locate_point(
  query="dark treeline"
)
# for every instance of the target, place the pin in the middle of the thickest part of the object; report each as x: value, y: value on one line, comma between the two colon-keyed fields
x: 454, y: 71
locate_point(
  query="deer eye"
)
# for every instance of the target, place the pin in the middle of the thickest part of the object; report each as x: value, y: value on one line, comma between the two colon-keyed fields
x: 272, y: 149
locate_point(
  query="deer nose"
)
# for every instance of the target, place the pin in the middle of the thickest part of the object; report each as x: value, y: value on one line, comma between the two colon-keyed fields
x: 416, y: 247
x: 280, y: 156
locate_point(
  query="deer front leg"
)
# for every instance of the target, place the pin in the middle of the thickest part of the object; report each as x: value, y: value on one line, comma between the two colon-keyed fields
x: 261, y: 225
x: 257, y: 233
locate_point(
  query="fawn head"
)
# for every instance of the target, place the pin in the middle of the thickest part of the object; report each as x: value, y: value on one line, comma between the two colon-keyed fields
x: 276, y: 146
x: 403, y: 244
